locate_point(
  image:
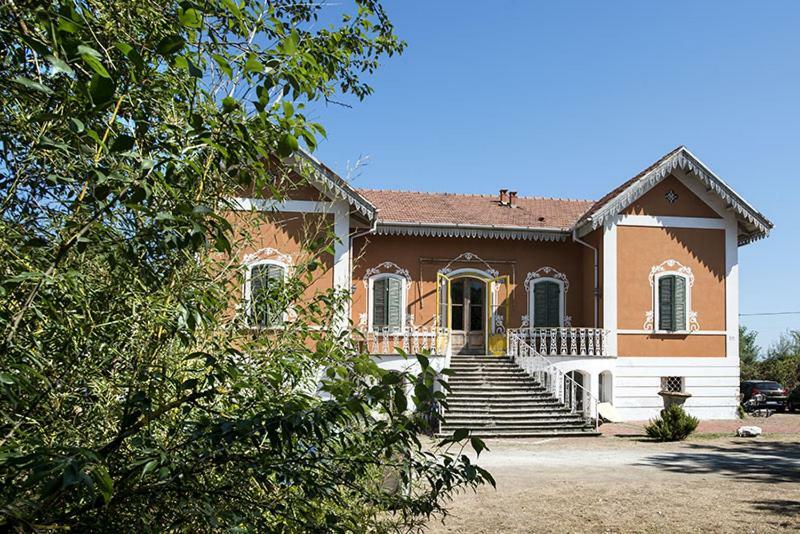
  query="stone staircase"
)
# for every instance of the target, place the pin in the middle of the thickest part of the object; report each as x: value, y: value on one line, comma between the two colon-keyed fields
x: 493, y: 397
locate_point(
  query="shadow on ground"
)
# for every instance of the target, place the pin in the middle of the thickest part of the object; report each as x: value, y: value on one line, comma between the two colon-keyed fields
x: 756, y: 461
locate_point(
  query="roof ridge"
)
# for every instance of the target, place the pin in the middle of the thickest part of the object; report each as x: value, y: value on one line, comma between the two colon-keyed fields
x: 478, y: 195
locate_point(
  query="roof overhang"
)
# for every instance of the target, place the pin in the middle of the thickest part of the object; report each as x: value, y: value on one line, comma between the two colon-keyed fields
x: 471, y: 231
x: 333, y: 186
x: 752, y: 224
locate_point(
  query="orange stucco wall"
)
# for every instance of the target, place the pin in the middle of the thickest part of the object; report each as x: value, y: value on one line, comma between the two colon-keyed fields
x: 654, y: 202
x: 680, y: 346
x: 286, y: 233
x: 424, y: 256
x: 639, y: 249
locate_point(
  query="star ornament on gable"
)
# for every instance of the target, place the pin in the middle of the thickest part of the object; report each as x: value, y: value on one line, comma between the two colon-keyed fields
x: 671, y: 196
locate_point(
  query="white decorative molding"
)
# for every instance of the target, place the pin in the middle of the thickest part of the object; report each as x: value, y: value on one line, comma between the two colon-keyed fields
x: 469, y: 257
x: 670, y: 267
x: 683, y: 159
x: 267, y: 253
x: 470, y: 232
x: 546, y: 272
x: 363, y: 318
x: 525, y: 321
x: 384, y: 268
x: 388, y: 269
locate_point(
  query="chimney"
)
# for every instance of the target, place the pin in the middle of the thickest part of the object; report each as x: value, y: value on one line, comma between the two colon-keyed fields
x: 512, y: 199
x: 503, y: 197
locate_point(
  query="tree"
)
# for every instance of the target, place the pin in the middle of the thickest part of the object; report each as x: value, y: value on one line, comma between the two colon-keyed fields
x: 781, y: 363
x: 748, y: 348
x: 131, y: 397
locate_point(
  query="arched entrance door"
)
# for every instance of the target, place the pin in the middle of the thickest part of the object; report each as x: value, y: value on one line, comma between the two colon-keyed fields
x: 468, y: 315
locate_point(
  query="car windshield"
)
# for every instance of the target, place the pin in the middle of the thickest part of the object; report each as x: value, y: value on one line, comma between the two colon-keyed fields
x: 767, y: 385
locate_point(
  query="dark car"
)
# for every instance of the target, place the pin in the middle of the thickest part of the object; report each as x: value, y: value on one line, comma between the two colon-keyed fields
x: 775, y: 394
x: 793, y: 403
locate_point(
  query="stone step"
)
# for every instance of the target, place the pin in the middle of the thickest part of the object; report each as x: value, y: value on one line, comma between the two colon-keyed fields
x: 523, y: 393
x: 475, y: 422
x: 506, y: 382
x: 553, y: 426
x: 499, y: 434
x: 511, y: 416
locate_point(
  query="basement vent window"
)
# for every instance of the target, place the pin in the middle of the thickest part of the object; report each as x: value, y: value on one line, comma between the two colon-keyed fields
x: 671, y: 196
x: 672, y: 384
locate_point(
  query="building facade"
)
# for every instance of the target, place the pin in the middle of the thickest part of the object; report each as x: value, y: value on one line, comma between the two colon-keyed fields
x: 625, y: 296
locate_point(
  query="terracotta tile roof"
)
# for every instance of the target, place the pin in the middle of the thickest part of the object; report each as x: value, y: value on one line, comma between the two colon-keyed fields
x: 407, y: 207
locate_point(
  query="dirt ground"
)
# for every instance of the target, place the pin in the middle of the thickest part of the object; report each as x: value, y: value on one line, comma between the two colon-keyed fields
x: 624, y: 483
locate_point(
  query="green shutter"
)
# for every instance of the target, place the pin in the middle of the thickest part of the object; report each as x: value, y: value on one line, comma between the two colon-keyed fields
x: 679, y: 306
x: 266, y: 281
x: 539, y: 304
x: 394, y: 303
x: 379, y: 315
x: 666, y: 307
x: 553, y: 304
x: 546, y: 304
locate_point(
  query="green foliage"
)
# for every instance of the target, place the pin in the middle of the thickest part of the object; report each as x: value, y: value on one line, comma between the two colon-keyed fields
x: 674, y: 424
x: 748, y: 348
x: 132, y: 393
x: 781, y: 363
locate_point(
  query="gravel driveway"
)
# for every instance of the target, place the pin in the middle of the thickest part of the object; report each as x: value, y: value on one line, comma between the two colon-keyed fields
x: 613, y: 484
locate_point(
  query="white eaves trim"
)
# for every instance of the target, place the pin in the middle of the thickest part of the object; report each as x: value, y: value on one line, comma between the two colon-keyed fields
x: 471, y: 231
x: 684, y: 159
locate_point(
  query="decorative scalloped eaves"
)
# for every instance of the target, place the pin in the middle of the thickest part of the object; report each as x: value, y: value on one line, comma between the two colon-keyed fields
x: 456, y: 231
x: 683, y: 159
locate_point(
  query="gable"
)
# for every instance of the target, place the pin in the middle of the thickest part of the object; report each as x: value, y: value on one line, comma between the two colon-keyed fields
x: 685, y: 203
x: 752, y: 225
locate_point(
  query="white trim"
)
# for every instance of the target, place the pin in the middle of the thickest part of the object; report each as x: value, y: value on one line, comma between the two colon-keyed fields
x: 292, y: 206
x: 610, y: 286
x: 403, y: 298
x: 688, y: 319
x: 470, y: 272
x: 651, y: 332
x: 471, y: 231
x: 341, y: 257
x: 672, y: 222
x: 562, y: 297
x: 683, y: 159
x: 248, y: 289
x: 732, y: 289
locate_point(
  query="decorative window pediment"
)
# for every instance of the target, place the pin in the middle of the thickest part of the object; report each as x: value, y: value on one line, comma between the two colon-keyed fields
x: 387, y: 285
x: 547, y: 293
x: 671, y: 284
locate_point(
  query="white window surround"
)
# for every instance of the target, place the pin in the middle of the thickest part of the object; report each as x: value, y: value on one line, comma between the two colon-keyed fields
x: 403, y: 298
x: 562, y: 290
x: 689, y: 317
x: 247, y: 287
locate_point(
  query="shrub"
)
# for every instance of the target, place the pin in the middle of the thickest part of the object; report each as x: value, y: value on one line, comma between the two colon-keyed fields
x: 673, y: 425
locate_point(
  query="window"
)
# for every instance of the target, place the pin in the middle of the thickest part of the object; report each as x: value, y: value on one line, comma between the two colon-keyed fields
x: 387, y: 296
x: 263, y: 291
x: 672, y: 384
x: 672, y: 303
x: 547, y: 303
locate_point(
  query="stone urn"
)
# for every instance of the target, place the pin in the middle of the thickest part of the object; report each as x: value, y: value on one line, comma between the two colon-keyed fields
x: 673, y: 397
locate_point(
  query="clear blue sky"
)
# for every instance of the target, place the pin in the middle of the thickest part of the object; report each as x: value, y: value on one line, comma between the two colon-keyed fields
x: 570, y: 98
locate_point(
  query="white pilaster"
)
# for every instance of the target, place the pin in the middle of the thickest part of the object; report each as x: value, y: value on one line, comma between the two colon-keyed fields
x: 610, y: 285
x: 732, y: 288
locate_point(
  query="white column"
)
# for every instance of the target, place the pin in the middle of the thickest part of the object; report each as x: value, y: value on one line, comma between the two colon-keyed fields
x: 610, y: 285
x: 341, y: 254
x: 732, y: 288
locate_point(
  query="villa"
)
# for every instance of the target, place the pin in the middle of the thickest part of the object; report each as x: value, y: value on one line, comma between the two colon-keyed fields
x: 545, y: 307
